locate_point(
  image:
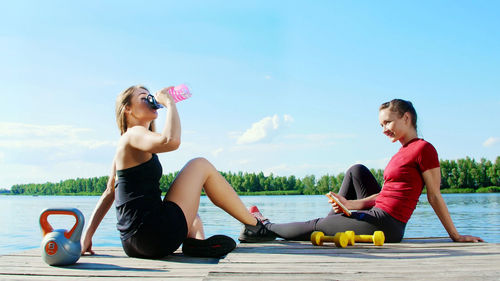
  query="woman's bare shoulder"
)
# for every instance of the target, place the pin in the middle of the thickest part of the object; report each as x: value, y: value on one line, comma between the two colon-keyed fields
x: 131, y: 133
x: 136, y: 129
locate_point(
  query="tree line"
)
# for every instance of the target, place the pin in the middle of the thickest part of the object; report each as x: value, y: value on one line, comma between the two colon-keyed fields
x: 462, y: 175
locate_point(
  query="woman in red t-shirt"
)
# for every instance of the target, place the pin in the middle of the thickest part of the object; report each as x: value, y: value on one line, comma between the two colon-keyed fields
x: 389, y: 208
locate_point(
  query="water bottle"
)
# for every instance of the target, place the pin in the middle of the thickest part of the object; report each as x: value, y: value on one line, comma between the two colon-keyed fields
x: 180, y: 93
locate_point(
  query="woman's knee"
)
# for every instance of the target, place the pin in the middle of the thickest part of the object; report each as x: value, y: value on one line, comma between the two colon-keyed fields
x: 198, y: 161
x: 199, y: 164
x: 358, y: 169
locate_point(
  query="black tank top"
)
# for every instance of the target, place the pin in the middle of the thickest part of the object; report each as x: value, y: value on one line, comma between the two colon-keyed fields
x: 137, y: 193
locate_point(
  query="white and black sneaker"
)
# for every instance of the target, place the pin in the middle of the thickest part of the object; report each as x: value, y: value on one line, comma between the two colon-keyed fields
x: 256, y: 233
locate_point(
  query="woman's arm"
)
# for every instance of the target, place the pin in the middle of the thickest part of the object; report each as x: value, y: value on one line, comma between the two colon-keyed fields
x: 170, y: 138
x: 101, y: 209
x: 359, y: 204
x: 432, y: 179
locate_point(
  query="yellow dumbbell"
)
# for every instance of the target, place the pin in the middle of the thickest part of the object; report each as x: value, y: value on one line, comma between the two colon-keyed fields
x: 351, y: 237
x: 318, y: 238
x: 378, y: 238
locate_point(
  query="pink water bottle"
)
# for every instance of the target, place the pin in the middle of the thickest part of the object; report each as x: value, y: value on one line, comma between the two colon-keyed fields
x: 180, y: 92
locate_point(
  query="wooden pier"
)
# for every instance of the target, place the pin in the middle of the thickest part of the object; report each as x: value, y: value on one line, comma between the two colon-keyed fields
x: 413, y: 259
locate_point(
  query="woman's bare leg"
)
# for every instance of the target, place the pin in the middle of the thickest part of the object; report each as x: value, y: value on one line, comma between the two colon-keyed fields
x: 196, y: 230
x: 198, y: 173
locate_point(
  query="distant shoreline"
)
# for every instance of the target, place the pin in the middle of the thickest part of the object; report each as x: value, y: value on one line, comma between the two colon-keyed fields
x: 457, y: 176
x: 490, y: 189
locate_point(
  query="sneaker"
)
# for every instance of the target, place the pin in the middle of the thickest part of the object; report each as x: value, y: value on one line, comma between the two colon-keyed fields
x: 256, y: 233
x: 258, y: 215
x: 213, y: 247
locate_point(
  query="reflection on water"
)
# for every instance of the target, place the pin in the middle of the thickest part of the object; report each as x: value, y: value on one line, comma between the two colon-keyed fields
x: 474, y: 214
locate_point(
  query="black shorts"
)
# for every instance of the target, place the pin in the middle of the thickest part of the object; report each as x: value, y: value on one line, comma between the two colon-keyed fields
x: 160, y: 233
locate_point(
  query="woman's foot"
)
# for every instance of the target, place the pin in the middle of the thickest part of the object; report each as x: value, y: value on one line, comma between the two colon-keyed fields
x: 213, y: 247
x: 256, y: 233
x: 258, y: 215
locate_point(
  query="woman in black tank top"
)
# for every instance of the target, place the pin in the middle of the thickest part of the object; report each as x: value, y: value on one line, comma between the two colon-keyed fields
x: 152, y: 227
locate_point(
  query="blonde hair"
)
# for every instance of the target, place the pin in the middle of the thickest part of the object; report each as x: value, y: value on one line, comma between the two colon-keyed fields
x: 122, y: 101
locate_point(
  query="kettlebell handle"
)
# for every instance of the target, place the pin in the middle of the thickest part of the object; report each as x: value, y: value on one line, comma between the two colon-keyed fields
x: 47, y: 228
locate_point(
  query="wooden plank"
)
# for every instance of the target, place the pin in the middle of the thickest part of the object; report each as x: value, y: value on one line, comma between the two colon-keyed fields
x: 82, y: 278
x: 111, y: 263
x: 378, y: 263
x: 413, y: 259
x: 443, y: 276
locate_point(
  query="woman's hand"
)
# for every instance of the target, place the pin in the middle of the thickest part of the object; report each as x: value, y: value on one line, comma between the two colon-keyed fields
x: 342, y: 200
x: 358, y: 204
x: 87, y: 246
x: 163, y: 97
x: 468, y: 238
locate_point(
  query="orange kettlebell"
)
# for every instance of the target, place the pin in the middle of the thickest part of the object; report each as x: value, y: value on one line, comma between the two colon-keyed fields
x: 60, y: 246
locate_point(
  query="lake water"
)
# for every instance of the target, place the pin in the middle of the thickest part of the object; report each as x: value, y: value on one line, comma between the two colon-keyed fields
x: 474, y: 214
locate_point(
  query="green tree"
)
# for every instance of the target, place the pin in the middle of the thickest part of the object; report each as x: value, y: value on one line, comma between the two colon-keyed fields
x: 461, y: 173
x: 309, y: 184
x: 334, y: 184
x: 291, y: 183
x: 323, y: 185
x: 237, y: 182
x: 101, y: 184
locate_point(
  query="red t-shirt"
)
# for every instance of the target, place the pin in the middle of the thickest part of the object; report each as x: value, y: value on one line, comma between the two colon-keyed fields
x: 403, y: 181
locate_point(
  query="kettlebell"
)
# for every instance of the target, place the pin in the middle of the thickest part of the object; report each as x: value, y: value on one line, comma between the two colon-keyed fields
x: 59, y: 246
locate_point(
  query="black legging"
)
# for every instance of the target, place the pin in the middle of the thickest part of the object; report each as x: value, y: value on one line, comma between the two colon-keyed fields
x: 358, y: 183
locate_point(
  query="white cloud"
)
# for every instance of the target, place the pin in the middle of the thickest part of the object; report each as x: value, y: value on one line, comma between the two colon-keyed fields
x: 291, y: 143
x: 8, y: 129
x: 301, y: 170
x: 263, y: 128
x: 491, y: 141
x: 38, y: 153
x: 244, y: 161
x: 50, y: 172
x: 217, y: 151
x: 374, y: 163
x: 320, y: 138
x: 20, y: 135
x: 54, y: 143
x: 268, y: 77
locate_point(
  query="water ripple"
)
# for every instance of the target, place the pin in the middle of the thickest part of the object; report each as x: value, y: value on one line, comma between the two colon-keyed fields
x: 473, y: 214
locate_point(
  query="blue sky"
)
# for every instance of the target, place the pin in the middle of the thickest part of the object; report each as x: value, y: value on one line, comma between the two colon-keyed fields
x: 281, y: 87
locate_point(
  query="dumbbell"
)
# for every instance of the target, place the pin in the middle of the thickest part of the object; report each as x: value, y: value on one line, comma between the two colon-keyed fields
x: 378, y: 238
x: 318, y: 238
